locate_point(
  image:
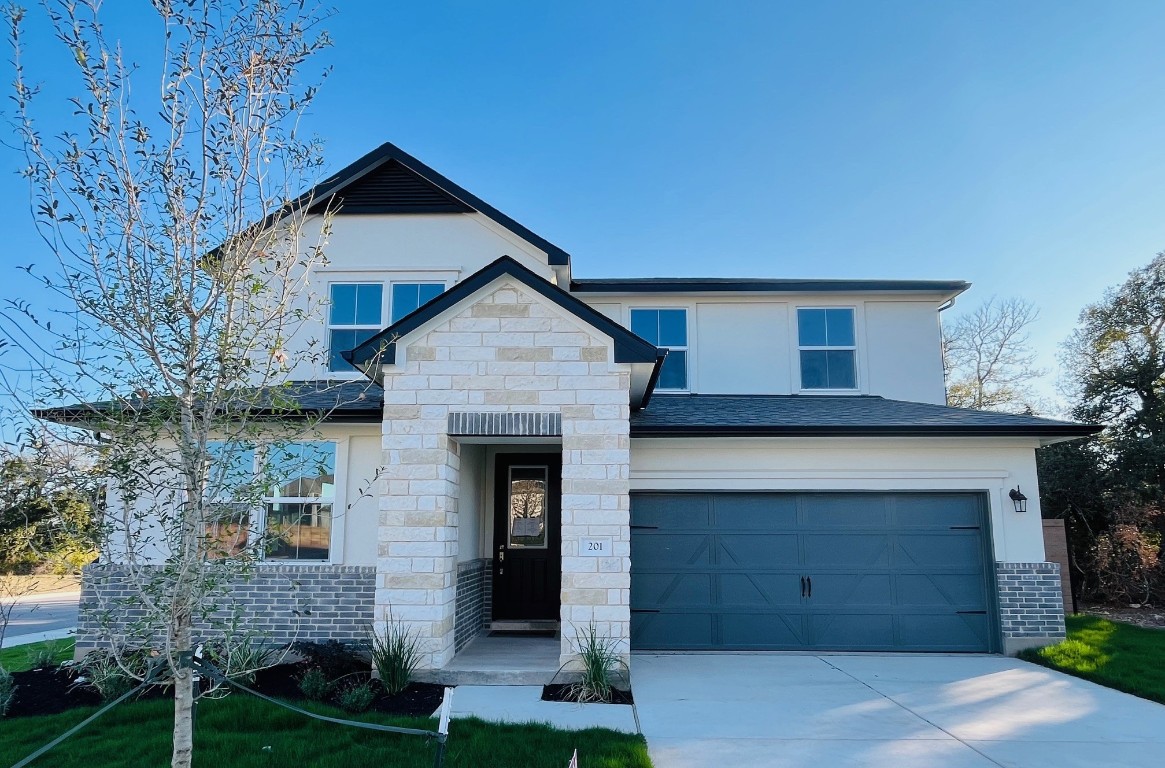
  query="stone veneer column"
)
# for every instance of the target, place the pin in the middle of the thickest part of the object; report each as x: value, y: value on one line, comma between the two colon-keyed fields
x: 596, y: 482
x: 507, y: 351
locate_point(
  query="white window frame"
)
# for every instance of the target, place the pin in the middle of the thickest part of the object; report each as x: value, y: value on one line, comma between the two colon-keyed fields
x: 258, y: 513
x: 686, y: 349
x: 857, y: 387
x: 329, y: 326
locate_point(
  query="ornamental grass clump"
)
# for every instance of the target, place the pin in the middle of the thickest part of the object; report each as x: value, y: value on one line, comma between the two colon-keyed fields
x: 600, y: 661
x: 396, y: 654
x: 7, y: 691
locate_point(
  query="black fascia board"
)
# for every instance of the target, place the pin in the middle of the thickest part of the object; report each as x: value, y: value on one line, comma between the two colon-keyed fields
x: 842, y: 430
x: 629, y: 348
x: 389, y: 151
x: 760, y: 285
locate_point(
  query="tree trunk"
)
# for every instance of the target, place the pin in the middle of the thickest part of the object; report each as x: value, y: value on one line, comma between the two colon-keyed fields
x: 183, y: 753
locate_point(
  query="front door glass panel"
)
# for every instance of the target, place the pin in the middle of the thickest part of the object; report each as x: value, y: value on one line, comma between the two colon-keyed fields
x: 527, y: 522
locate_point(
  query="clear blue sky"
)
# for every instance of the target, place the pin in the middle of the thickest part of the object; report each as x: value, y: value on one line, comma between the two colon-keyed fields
x: 1020, y: 146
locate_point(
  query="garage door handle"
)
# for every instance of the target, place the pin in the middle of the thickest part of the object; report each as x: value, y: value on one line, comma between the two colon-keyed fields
x: 961, y: 613
x: 802, y: 586
x: 645, y: 610
x: 809, y: 581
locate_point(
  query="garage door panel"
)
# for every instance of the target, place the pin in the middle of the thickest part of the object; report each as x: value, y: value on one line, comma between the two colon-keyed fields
x: 658, y: 590
x: 852, y: 631
x: 850, y: 590
x: 754, y: 510
x: 680, y: 631
x: 938, y: 550
x: 889, y: 571
x: 673, y: 550
x: 939, y: 632
x: 958, y: 590
x: 758, y: 631
x: 676, y: 511
x: 759, y: 590
x: 936, y: 510
x: 858, y: 550
x: 757, y: 549
x: 842, y: 510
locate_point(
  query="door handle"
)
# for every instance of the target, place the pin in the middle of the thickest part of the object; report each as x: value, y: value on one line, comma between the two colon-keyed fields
x: 802, y: 586
x: 809, y: 581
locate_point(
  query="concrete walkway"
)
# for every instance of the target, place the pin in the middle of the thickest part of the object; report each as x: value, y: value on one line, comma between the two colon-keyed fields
x: 523, y: 703
x: 896, y: 711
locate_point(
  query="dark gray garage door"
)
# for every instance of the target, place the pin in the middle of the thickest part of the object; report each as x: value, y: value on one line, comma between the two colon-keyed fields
x: 822, y: 571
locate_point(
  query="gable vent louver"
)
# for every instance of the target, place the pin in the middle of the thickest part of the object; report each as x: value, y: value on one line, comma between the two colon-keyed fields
x: 392, y: 188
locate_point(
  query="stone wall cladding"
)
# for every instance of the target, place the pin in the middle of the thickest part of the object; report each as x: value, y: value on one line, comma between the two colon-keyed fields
x: 472, y: 577
x: 282, y: 603
x: 1031, y: 601
x: 508, y: 350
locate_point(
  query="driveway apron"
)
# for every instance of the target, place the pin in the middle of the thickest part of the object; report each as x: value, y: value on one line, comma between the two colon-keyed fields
x: 897, y: 711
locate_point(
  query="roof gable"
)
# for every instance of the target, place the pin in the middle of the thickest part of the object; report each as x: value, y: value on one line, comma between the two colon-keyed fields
x: 628, y: 347
x: 389, y: 180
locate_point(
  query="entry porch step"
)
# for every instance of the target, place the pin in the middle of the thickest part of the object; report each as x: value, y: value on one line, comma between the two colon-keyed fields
x: 499, y: 660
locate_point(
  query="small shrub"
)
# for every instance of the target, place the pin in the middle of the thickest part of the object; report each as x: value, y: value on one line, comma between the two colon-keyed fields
x: 600, y: 661
x: 356, y: 697
x: 396, y: 654
x: 7, y: 691
x: 239, y: 657
x: 43, y: 656
x: 315, y: 685
x: 110, y: 676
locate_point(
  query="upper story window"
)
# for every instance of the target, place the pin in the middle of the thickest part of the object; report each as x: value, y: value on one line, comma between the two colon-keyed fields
x: 826, y: 340
x: 355, y: 315
x: 666, y: 328
x: 407, y: 297
x: 278, y: 495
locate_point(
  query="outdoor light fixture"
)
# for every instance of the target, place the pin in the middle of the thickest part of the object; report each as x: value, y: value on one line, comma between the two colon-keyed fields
x: 1018, y: 499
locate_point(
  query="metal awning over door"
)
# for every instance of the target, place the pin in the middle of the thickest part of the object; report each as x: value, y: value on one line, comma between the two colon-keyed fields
x: 810, y: 571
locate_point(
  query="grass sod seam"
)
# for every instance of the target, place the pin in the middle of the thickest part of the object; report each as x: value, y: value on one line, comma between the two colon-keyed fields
x: 79, y: 726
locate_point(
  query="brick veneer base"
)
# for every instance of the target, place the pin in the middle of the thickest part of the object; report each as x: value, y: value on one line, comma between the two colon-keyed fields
x: 1031, y: 604
x: 473, y: 578
x: 282, y: 603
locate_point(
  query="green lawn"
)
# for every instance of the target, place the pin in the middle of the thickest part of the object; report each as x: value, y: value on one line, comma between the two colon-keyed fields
x: 245, y: 732
x: 1118, y: 655
x: 15, y: 659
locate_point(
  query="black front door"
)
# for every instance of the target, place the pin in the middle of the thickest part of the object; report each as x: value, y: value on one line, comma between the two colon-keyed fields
x: 527, y: 537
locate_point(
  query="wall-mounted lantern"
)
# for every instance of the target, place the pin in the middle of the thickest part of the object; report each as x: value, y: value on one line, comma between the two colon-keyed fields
x: 1018, y: 499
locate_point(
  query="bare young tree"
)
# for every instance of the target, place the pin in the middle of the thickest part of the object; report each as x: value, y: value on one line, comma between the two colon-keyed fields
x: 180, y: 248
x: 989, y: 363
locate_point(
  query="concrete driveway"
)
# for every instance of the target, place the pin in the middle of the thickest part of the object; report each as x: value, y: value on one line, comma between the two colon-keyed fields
x: 898, y: 711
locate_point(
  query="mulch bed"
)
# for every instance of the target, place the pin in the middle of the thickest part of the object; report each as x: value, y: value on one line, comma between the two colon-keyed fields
x: 559, y: 692
x: 50, y: 691
x: 1150, y: 617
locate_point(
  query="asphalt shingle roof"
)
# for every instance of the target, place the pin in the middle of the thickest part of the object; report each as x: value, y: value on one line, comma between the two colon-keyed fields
x: 802, y: 415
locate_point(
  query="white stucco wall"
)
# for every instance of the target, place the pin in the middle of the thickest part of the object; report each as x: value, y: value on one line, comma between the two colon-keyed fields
x: 747, y: 344
x: 471, y: 503
x: 395, y: 248
x: 865, y: 464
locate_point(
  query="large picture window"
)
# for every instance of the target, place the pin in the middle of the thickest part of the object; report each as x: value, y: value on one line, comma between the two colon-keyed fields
x: 827, y: 343
x: 666, y: 328
x: 354, y: 316
x: 284, y: 490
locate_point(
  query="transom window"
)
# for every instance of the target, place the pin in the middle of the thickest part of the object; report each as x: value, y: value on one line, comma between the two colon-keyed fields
x: 666, y: 328
x: 408, y: 297
x: 826, y: 340
x: 355, y: 315
x: 273, y: 500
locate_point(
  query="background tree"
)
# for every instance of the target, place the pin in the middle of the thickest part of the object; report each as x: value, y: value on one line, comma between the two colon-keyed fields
x: 989, y: 363
x: 179, y: 250
x: 1110, y: 488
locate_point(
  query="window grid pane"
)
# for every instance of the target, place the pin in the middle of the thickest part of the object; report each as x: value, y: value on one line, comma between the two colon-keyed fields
x: 666, y: 328
x: 827, y: 338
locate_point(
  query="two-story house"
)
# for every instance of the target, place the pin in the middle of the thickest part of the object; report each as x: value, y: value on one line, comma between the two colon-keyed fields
x: 691, y: 464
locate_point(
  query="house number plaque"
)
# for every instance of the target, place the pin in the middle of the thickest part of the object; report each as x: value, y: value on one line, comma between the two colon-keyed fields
x: 595, y: 547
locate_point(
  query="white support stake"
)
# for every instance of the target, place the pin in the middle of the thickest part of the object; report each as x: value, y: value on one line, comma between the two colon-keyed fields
x: 446, y: 707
